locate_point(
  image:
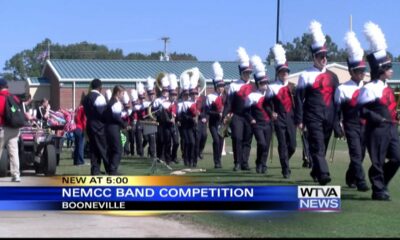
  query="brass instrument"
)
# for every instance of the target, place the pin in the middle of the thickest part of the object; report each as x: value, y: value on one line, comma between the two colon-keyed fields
x: 158, y: 84
x: 223, y: 129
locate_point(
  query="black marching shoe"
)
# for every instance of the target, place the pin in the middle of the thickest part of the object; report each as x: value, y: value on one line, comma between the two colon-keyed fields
x: 201, y: 156
x: 264, y: 169
x: 217, y: 165
x: 258, y: 169
x: 384, y: 196
x: 324, y: 179
x: 236, y: 167
x: 362, y: 187
x: 315, y: 179
x: 245, y: 168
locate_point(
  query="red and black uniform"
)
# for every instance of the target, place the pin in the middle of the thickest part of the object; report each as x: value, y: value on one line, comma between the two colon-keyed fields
x: 201, y: 133
x: 346, y: 96
x: 214, y: 106
x: 280, y: 96
x: 129, y: 147
x: 258, y: 109
x: 187, y: 112
x: 240, y: 127
x: 315, y: 108
x: 378, y: 107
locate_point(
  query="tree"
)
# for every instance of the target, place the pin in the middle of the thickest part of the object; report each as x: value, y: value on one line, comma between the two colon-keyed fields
x: 29, y: 63
x: 299, y: 50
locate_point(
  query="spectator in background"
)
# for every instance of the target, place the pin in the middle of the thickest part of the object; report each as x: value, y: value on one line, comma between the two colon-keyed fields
x: 80, y: 123
x: 9, y: 136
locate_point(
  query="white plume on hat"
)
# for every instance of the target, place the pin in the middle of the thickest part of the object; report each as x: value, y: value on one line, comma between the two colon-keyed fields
x: 165, y: 81
x: 194, y: 79
x: 134, y: 95
x: 185, y: 80
x: 140, y: 88
x: 150, y: 83
x: 258, y: 66
x: 125, y: 99
x: 280, y: 54
x: 353, y: 47
x: 218, y: 71
x: 375, y: 37
x: 108, y: 94
x: 173, y: 81
x: 317, y: 34
x: 243, y: 57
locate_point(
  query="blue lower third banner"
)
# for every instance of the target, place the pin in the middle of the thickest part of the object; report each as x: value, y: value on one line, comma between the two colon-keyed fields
x: 172, y: 198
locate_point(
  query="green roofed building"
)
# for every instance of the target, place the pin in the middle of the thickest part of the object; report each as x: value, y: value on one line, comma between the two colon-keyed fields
x: 64, y: 80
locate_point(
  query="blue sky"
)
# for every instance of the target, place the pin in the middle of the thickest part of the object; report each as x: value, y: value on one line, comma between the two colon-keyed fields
x: 208, y: 29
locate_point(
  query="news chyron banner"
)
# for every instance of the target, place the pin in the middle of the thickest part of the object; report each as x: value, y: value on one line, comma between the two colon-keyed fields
x: 164, y: 193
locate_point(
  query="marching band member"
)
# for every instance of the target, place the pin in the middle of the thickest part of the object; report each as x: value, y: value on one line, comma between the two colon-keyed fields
x: 234, y: 110
x: 315, y: 108
x: 133, y: 121
x: 187, y: 113
x: 114, y: 124
x: 281, y: 98
x: 139, y: 112
x: 125, y: 115
x: 168, y: 123
x: 378, y: 107
x: 215, y: 104
x: 258, y: 114
x: 158, y: 108
x: 146, y: 115
x: 346, y: 98
x: 94, y: 105
x: 201, y: 131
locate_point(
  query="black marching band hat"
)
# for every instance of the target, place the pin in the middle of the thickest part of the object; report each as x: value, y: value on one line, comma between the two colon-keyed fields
x: 244, y: 65
x: 377, y: 58
x: 318, y: 44
x: 218, y: 79
x: 355, y: 52
x: 280, y: 58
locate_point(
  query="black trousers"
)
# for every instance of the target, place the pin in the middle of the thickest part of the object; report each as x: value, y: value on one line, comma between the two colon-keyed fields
x: 171, y: 143
x: 190, y: 158
x: 129, y: 147
x: 143, y: 140
x: 355, y: 142
x: 241, y: 140
x: 286, y: 136
x: 201, y: 137
x: 263, y: 135
x: 319, y: 134
x: 98, y: 151
x: 114, y: 151
x: 218, y: 142
x: 382, y: 142
x: 182, y: 141
x: 139, y: 139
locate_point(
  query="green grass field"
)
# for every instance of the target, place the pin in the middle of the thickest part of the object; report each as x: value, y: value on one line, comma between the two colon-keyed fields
x: 360, y: 216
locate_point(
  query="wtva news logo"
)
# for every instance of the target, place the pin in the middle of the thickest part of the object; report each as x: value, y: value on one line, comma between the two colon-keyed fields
x: 319, y: 198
